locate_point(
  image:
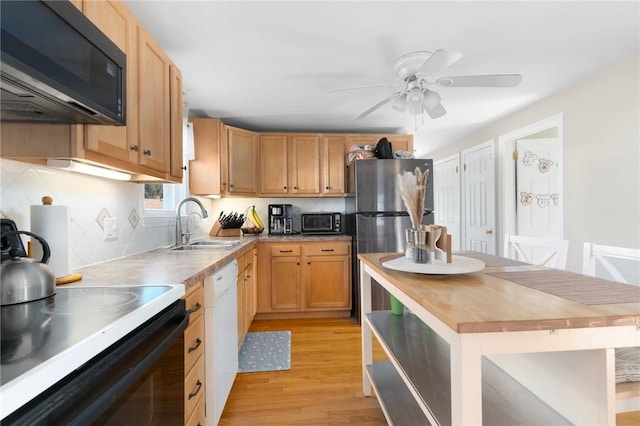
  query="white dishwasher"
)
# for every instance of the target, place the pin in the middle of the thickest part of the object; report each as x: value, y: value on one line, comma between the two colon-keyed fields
x: 221, y: 342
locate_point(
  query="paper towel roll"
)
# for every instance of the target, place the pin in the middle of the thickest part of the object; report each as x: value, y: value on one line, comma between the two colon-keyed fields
x: 52, y: 224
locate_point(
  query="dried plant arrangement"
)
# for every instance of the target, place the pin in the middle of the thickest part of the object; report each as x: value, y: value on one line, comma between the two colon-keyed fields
x: 412, y: 190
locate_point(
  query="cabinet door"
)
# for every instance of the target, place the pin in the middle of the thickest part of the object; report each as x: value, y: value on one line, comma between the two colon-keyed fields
x: 401, y: 142
x: 205, y: 174
x: 242, y: 307
x: 333, y: 168
x: 176, y: 160
x: 286, y: 291
x: 154, y: 103
x: 242, y: 161
x: 305, y: 164
x: 118, y: 142
x: 327, y: 282
x: 273, y: 165
x: 360, y: 140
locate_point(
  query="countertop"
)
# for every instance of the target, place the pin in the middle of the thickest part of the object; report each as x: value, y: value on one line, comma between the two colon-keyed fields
x: 161, y: 266
x: 164, y: 266
x: 483, y: 302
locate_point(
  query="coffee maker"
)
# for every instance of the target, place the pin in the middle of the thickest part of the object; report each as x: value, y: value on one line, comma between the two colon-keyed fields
x: 280, y: 219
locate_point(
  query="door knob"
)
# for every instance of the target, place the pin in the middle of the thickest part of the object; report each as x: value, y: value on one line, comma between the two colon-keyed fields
x: 488, y: 231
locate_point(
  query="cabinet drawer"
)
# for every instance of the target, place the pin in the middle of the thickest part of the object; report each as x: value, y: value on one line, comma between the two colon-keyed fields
x: 197, y: 418
x: 194, y: 303
x: 194, y: 385
x: 285, y: 250
x: 248, y: 258
x: 329, y: 249
x: 193, y: 343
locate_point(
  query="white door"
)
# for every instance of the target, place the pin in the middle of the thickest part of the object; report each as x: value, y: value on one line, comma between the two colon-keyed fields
x: 446, y: 188
x: 479, y: 198
x: 538, y: 210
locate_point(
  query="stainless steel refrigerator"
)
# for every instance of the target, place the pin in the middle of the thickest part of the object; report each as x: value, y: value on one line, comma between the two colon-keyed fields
x: 376, y: 216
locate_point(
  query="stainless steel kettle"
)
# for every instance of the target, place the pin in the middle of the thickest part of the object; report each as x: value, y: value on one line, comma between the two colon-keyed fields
x: 23, y: 279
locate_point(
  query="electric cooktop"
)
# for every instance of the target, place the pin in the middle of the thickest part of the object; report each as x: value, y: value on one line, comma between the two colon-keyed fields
x: 38, y: 331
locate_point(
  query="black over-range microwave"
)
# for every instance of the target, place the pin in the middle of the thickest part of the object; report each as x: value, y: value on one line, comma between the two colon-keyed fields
x: 58, y: 67
x: 321, y: 223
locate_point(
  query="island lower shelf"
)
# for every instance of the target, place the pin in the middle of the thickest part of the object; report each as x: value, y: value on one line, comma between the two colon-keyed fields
x: 416, y: 382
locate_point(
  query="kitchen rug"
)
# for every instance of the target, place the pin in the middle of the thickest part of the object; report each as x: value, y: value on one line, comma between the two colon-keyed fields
x: 265, y: 351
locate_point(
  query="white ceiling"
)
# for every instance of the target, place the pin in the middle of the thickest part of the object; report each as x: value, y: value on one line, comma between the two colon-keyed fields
x: 269, y: 66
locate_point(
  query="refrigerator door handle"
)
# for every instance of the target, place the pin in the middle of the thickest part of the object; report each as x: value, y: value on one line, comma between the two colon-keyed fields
x: 384, y: 214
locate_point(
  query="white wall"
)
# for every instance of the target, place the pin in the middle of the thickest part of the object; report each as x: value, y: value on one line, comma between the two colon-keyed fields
x: 601, y: 154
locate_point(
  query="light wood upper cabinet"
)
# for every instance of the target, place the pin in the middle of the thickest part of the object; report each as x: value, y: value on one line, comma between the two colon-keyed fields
x: 242, y: 162
x: 176, y: 164
x: 304, y: 176
x: 153, y: 104
x: 333, y: 165
x: 205, y: 174
x: 274, y: 164
x: 398, y: 142
x: 117, y: 22
x: 289, y: 164
x: 149, y: 147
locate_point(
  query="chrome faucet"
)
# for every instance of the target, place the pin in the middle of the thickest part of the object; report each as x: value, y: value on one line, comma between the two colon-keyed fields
x: 179, y: 234
x: 187, y: 233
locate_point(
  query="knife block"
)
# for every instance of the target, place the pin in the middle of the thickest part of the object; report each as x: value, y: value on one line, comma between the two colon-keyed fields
x: 218, y: 231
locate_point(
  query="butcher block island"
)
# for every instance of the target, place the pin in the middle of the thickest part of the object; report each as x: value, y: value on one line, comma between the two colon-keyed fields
x: 511, y: 344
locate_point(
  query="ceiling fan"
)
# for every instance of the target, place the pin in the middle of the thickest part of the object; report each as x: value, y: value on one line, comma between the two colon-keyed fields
x: 417, y: 70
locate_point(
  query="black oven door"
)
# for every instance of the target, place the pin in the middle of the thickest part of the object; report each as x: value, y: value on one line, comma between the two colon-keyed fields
x: 139, y: 380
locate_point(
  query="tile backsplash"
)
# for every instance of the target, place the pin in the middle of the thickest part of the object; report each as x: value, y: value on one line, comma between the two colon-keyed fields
x: 91, y: 200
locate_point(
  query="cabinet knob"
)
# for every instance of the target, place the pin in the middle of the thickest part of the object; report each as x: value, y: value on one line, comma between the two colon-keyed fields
x: 231, y: 185
x: 147, y: 152
x: 308, y: 263
x: 184, y: 168
x: 327, y: 187
x: 295, y: 187
x: 298, y: 263
x: 488, y: 231
x: 284, y: 187
x: 134, y: 148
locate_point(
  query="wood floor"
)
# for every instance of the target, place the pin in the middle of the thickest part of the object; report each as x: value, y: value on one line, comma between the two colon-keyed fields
x: 323, y: 386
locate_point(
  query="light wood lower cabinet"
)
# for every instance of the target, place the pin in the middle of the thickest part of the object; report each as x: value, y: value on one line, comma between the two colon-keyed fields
x: 194, y: 377
x: 247, y: 292
x: 306, y: 278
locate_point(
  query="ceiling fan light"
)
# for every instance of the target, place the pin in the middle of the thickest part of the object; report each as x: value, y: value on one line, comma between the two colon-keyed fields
x: 431, y: 99
x: 415, y: 98
x: 400, y: 104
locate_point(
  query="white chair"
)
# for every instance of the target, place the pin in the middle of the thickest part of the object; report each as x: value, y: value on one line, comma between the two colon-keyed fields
x: 596, y: 259
x: 537, y: 251
x: 623, y: 265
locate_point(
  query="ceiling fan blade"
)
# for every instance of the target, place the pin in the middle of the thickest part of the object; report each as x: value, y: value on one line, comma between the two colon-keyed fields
x: 437, y: 111
x: 367, y: 86
x: 500, y: 80
x: 439, y: 60
x: 378, y: 105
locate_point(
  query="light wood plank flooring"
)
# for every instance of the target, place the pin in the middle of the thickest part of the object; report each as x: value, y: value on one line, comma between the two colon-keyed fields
x: 323, y: 386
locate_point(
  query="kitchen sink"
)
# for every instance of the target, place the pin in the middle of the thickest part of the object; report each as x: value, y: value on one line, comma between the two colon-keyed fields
x: 230, y: 243
x: 209, y: 245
